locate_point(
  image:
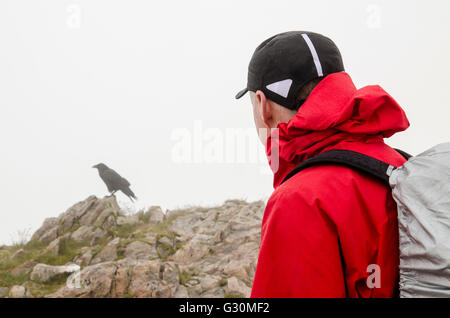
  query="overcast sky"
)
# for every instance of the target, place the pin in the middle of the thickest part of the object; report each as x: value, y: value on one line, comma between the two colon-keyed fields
x: 148, y: 88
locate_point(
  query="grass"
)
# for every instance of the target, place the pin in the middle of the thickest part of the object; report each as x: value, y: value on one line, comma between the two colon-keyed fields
x: 178, y: 246
x: 162, y: 229
x: 8, y: 280
x: 41, y: 290
x: 184, y: 277
x: 4, y: 254
x: 33, y: 245
x: 145, y: 218
x: 6, y: 265
x: 50, y: 287
x: 72, y: 229
x: 20, y: 238
x: 96, y: 249
x: 33, y: 251
x: 167, y: 249
x: 120, y: 255
x: 230, y: 295
x: 67, y: 251
x: 123, y: 231
x: 223, y: 282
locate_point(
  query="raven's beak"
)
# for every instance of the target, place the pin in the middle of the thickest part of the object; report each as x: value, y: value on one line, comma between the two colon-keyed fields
x: 95, y: 166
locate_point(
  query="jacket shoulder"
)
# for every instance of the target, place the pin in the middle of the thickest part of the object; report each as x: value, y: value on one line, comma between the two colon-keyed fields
x: 321, y: 179
x: 336, y: 191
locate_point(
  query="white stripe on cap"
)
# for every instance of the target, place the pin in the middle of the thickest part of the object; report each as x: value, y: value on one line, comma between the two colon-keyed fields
x: 314, y: 54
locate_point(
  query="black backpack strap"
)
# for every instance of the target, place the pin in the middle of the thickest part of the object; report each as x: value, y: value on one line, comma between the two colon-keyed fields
x: 403, y: 153
x: 352, y: 159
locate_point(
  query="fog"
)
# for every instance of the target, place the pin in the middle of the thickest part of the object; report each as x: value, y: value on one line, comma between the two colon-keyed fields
x: 137, y: 84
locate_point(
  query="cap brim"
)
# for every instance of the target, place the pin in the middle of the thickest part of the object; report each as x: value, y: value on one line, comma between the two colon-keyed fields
x: 241, y: 93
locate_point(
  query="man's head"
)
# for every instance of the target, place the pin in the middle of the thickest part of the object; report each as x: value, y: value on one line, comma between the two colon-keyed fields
x: 283, y: 71
x: 267, y: 114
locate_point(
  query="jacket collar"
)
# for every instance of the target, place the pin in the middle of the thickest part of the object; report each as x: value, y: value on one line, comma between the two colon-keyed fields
x: 335, y: 112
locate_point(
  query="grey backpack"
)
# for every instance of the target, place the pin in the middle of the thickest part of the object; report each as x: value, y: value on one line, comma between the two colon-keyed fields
x: 421, y: 189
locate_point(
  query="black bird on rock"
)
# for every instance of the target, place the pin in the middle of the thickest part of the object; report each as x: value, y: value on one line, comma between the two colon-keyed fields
x: 114, y: 182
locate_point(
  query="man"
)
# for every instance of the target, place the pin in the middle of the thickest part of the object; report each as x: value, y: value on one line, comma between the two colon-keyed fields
x: 329, y: 231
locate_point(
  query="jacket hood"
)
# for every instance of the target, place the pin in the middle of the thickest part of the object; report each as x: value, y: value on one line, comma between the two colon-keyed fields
x: 335, y: 112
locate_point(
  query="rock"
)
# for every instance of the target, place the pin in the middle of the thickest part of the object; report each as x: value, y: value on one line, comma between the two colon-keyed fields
x: 162, y: 291
x: 145, y: 279
x: 94, y: 211
x: 151, y: 238
x: 165, y: 241
x: 44, y: 273
x: 239, y: 268
x: 99, y: 234
x: 84, y: 259
x: 72, y: 216
x: 140, y: 250
x: 186, y: 223
x: 169, y: 273
x: 181, y: 292
x: 4, y: 291
x: 154, y: 215
x: 96, y: 281
x: 121, y: 282
x: 48, y: 224
x: 90, y: 212
x: 18, y: 254
x: 83, y: 234
x: 28, y: 293
x: 165, y: 247
x: 17, y: 292
x: 54, y: 247
x: 108, y: 253
x: 190, y: 253
x: 235, y: 287
x: 129, y: 219
x: 214, y: 293
x: 24, y: 268
x: 49, y: 236
x: 209, y: 282
x: 106, y: 219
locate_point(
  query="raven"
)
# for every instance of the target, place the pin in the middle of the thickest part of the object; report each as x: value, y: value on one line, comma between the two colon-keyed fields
x: 114, y: 181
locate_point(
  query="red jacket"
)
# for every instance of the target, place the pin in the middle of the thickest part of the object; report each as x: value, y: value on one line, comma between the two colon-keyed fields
x: 323, y: 227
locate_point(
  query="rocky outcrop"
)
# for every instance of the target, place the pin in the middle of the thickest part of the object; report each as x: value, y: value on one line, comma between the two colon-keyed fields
x: 23, y: 268
x: 108, y: 253
x: 44, y: 273
x: 193, y: 252
x: 83, y: 221
x: 17, y: 292
x: 4, y: 291
x: 18, y: 254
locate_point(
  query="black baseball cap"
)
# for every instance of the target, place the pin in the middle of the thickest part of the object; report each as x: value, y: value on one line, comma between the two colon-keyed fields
x: 283, y: 63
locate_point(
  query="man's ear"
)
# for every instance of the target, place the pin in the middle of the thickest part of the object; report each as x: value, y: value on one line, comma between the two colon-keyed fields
x: 265, y: 107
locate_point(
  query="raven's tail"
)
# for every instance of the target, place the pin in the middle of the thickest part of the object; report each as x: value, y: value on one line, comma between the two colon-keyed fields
x: 129, y: 193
